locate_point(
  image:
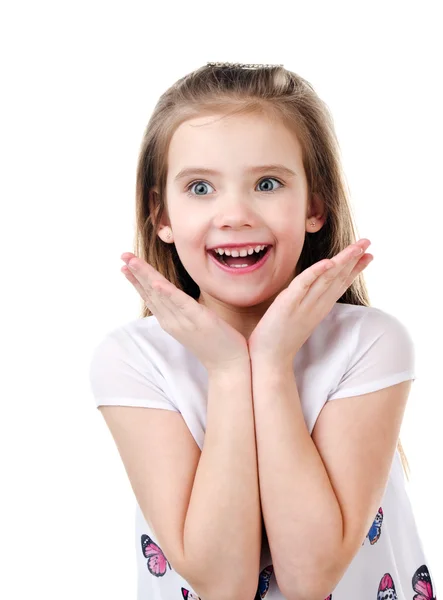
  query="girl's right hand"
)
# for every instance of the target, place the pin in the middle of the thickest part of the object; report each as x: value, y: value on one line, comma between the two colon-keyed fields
x: 216, y: 344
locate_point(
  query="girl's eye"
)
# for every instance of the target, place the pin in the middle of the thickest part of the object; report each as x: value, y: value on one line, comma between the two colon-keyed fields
x: 200, y: 187
x: 270, y: 179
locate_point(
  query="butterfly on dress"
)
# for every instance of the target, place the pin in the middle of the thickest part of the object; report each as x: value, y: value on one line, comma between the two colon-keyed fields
x: 263, y: 582
x: 386, y: 588
x: 421, y: 582
x: 187, y: 595
x: 375, y: 531
x: 157, y: 561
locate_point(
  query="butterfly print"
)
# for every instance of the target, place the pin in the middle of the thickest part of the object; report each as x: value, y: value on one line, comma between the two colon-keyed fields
x: 189, y: 595
x: 157, y: 561
x: 421, y: 582
x: 263, y: 582
x: 386, y: 589
x: 375, y: 530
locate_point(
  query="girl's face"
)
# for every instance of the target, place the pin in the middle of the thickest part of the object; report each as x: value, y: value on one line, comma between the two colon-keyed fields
x: 242, y: 201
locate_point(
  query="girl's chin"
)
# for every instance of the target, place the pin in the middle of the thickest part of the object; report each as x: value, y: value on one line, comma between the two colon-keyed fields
x: 238, y: 297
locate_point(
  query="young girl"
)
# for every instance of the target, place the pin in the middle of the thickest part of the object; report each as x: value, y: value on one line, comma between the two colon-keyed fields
x: 267, y: 465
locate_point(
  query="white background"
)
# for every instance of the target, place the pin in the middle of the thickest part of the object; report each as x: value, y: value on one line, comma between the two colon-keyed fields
x: 80, y: 80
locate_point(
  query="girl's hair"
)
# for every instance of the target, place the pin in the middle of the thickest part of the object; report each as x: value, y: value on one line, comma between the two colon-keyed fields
x: 272, y: 91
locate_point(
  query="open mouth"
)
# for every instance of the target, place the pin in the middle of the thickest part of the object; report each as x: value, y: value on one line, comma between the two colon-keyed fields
x: 248, y: 260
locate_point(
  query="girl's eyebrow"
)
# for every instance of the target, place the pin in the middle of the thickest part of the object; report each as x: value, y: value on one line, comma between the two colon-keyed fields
x: 186, y: 172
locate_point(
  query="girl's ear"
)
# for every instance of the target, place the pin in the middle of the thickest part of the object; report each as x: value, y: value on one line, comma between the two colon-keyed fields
x: 316, y: 213
x: 165, y: 234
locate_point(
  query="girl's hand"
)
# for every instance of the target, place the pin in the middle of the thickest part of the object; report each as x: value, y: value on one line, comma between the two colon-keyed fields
x: 299, y: 308
x: 215, y: 343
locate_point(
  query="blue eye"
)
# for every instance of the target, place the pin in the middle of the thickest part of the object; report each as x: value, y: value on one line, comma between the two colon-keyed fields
x: 271, y: 179
x: 199, y: 183
x: 204, y: 183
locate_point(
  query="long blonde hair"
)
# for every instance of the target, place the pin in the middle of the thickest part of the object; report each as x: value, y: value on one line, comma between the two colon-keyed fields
x: 274, y: 91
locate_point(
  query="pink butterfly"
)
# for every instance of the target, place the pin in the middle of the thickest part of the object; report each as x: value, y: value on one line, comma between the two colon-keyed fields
x: 156, y: 559
x: 189, y: 595
x: 386, y: 589
x: 421, y: 582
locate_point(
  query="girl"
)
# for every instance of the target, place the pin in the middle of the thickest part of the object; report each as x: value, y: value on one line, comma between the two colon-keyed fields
x: 267, y: 465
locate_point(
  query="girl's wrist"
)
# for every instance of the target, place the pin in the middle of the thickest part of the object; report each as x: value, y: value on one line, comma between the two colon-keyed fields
x: 235, y: 368
x: 271, y: 368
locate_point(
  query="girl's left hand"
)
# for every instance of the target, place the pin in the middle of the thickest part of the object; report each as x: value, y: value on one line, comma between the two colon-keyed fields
x: 299, y: 308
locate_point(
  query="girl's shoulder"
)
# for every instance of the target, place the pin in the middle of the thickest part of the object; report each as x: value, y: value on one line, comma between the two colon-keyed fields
x: 365, y: 316
x: 371, y: 348
x: 140, y: 344
x: 368, y: 330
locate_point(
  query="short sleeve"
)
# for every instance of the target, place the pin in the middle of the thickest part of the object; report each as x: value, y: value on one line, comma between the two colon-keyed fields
x: 120, y: 375
x: 382, y: 354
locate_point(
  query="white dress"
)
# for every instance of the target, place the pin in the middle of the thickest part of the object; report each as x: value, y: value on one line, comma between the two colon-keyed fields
x: 354, y: 350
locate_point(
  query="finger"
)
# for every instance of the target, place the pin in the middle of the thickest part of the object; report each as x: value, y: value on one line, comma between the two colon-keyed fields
x: 347, y: 258
x: 301, y: 284
x: 129, y: 276
x: 126, y: 256
x: 319, y: 278
x: 149, y: 277
x: 169, y: 317
x: 347, y: 277
x: 144, y: 289
x: 361, y: 265
x: 336, y: 281
x: 140, y: 267
x: 345, y: 262
x: 185, y: 309
x: 172, y: 306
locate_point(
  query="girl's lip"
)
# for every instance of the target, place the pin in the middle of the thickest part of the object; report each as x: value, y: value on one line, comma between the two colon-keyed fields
x: 244, y: 270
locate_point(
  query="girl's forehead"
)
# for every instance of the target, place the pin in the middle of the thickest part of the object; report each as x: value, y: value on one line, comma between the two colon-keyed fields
x: 223, y: 121
x: 206, y: 137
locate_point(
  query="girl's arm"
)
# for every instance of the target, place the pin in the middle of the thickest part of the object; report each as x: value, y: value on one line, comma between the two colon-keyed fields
x: 320, y: 494
x: 300, y: 510
x: 223, y: 525
x: 217, y: 528
x: 203, y: 507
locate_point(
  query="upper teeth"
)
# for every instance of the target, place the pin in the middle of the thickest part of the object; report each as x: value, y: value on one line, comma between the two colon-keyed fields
x: 241, y: 251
